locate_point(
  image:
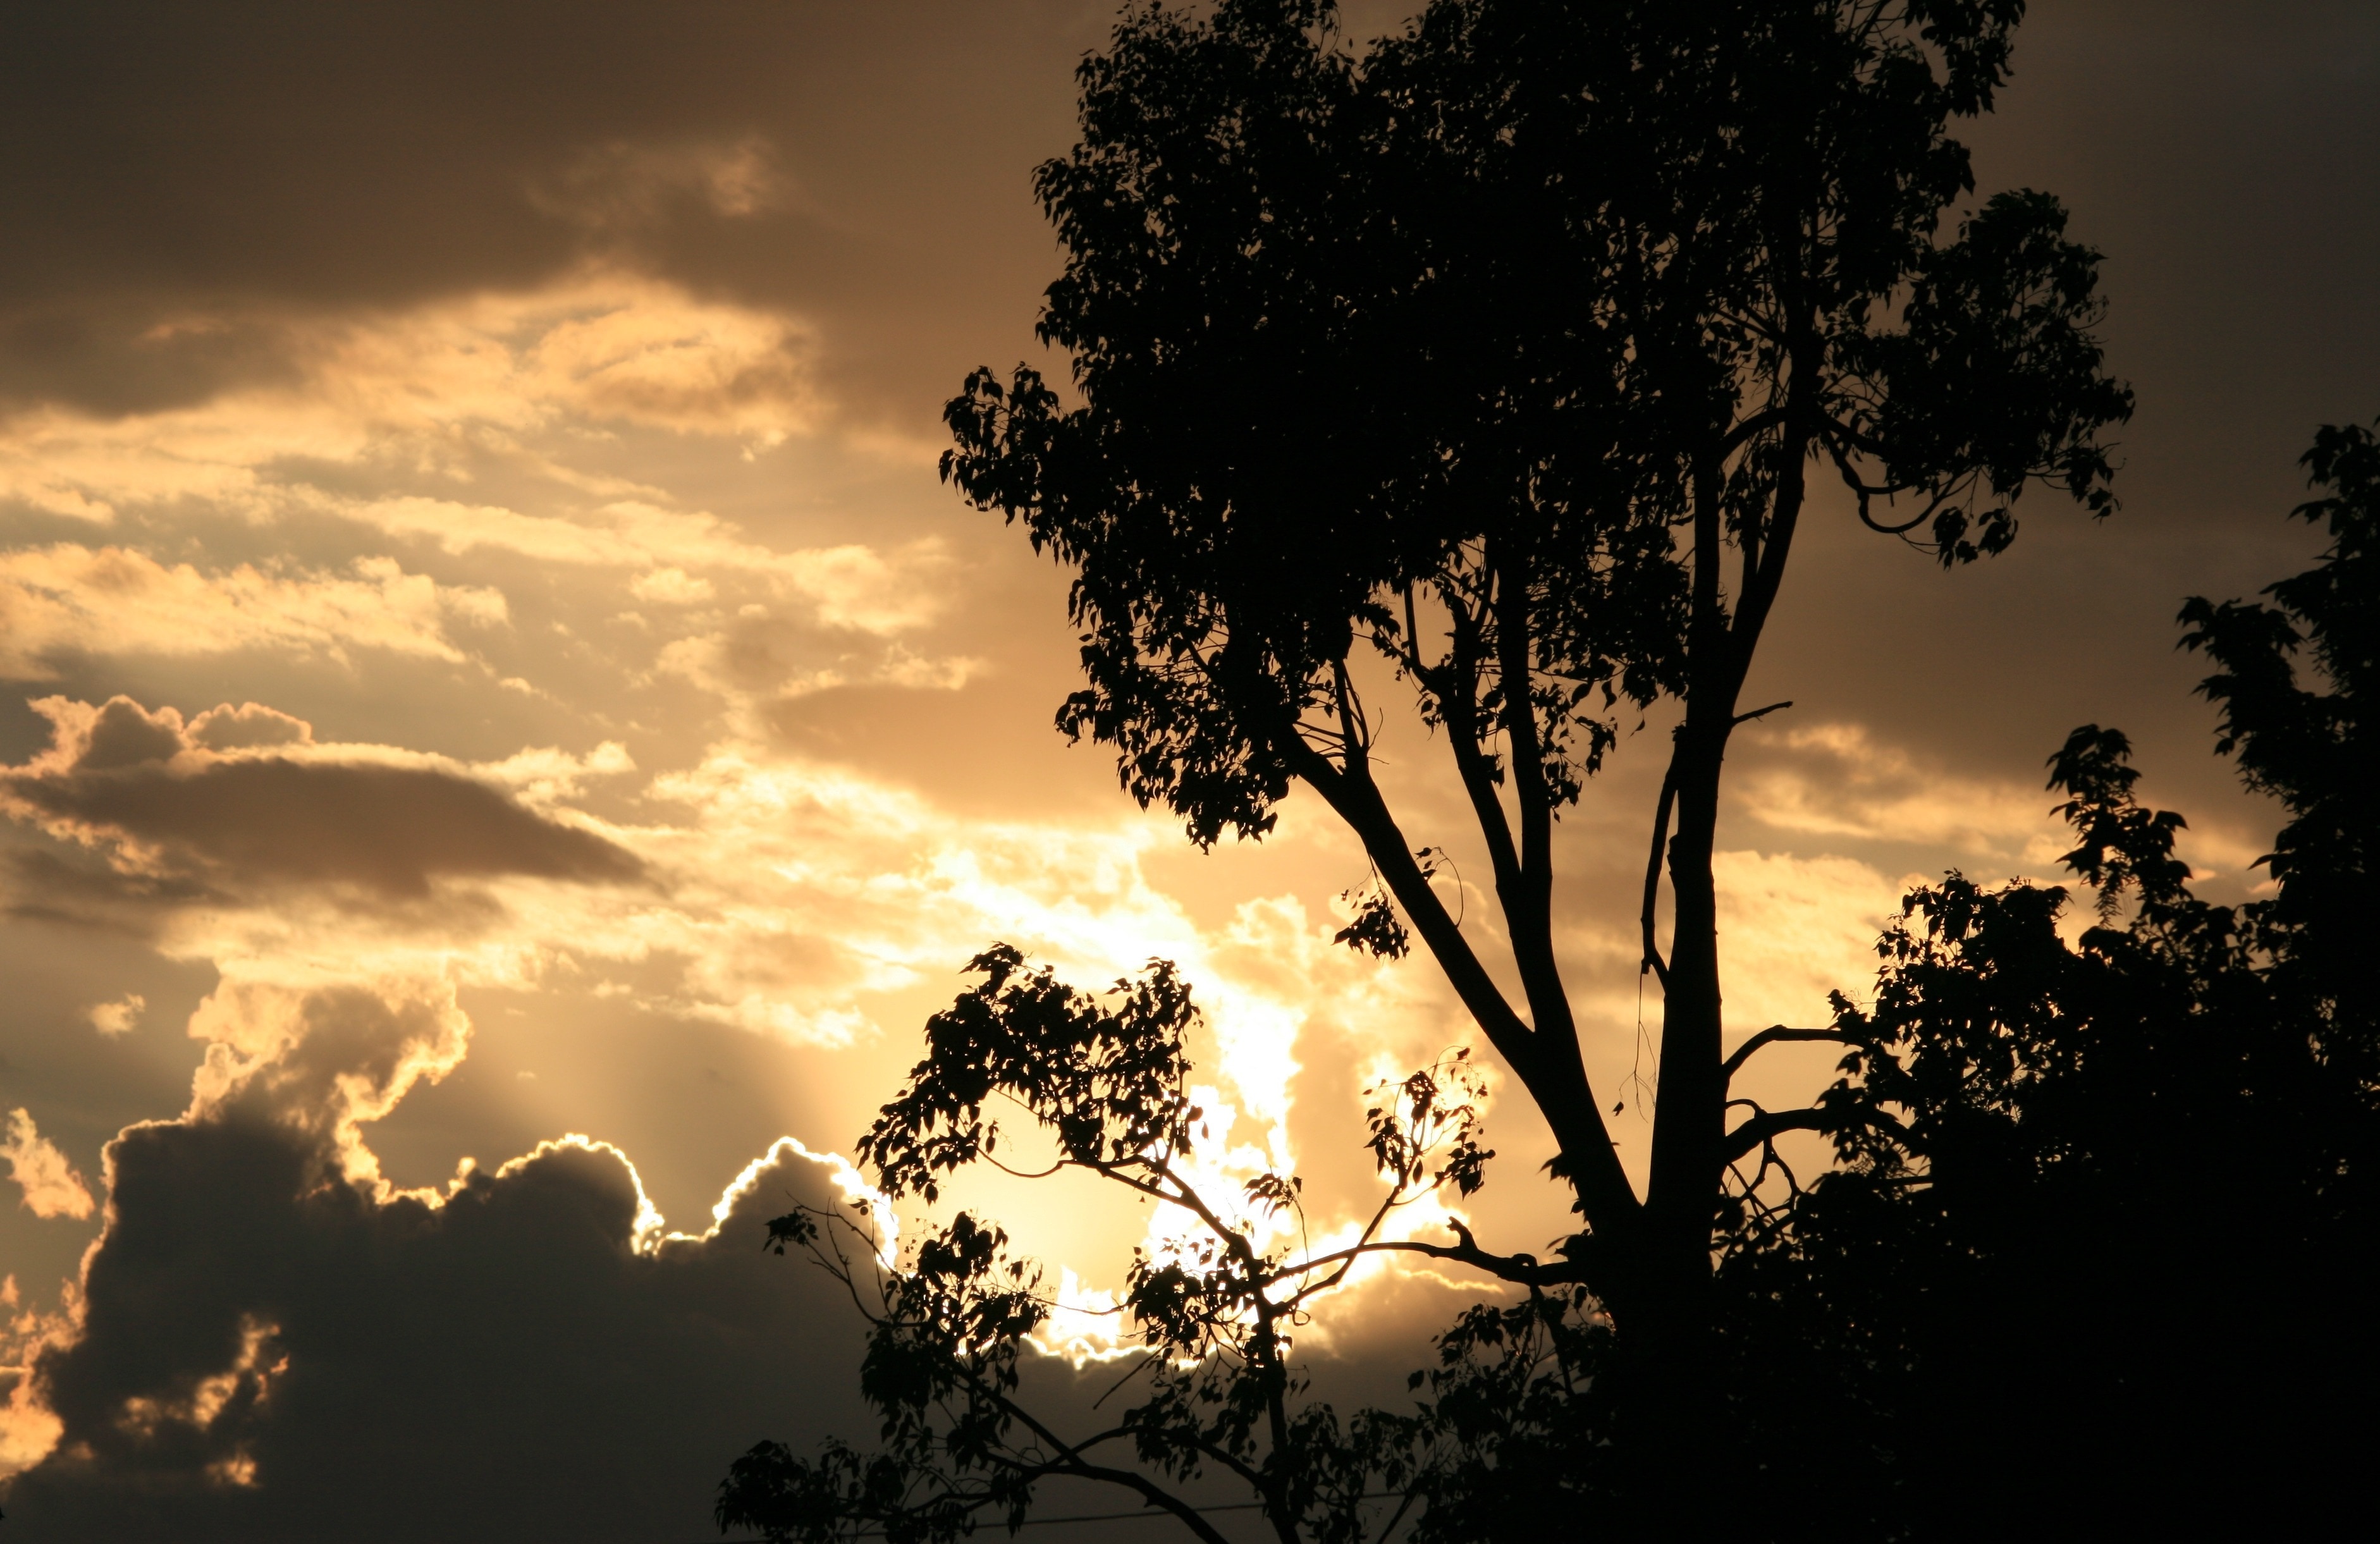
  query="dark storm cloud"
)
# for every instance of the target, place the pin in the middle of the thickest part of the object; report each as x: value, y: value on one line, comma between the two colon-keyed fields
x: 179, y: 182
x: 268, y: 1352
x: 142, y: 784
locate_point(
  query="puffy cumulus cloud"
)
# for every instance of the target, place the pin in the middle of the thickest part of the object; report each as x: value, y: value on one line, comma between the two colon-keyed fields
x: 267, y: 1334
x: 51, y: 1185
x: 322, y: 1063
x: 241, y: 800
x: 70, y: 600
x: 262, y: 1349
x: 29, y: 1431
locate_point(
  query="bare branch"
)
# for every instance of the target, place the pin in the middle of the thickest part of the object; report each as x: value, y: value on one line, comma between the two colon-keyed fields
x: 1777, y: 1034
x: 1760, y: 713
x: 1521, y: 1269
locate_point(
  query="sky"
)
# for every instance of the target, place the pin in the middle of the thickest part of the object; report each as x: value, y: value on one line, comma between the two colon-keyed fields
x: 504, y: 738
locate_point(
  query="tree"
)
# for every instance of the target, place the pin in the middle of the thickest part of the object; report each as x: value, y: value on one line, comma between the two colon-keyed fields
x: 1491, y: 364
x: 1504, y: 354
x: 2109, y: 1262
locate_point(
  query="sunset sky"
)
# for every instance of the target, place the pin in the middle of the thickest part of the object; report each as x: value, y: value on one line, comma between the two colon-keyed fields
x: 504, y: 738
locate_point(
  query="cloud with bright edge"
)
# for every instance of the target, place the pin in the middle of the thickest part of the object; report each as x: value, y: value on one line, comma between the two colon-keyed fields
x: 52, y: 1186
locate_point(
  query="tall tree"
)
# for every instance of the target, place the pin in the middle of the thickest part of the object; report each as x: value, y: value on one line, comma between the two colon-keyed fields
x: 1507, y: 351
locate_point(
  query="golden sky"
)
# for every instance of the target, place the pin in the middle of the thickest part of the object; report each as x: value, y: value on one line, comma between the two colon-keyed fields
x: 503, y: 737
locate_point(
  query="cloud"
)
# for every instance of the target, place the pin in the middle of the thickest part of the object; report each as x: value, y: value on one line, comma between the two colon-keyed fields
x: 839, y: 162
x: 672, y: 587
x: 247, y: 727
x: 70, y: 600
x: 1838, y: 780
x: 263, y: 1345
x: 161, y: 804
x: 120, y: 1016
x: 52, y: 1186
x: 853, y: 587
x: 435, y: 385
x: 1796, y: 928
x: 268, y: 1334
x: 263, y: 1310
x: 1838, y: 783
x: 323, y: 1063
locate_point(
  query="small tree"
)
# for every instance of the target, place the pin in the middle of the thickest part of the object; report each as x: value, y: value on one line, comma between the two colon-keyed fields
x: 1212, y: 1313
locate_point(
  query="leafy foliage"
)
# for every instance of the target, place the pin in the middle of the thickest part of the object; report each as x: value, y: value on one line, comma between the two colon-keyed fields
x: 1995, y: 381
x: 2145, y: 1160
x: 2314, y: 749
x: 2095, y: 1246
x: 1214, y: 1314
x: 1495, y: 358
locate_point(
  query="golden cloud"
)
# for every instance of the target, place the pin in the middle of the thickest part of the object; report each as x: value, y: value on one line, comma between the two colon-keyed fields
x: 51, y: 1185
x: 67, y: 600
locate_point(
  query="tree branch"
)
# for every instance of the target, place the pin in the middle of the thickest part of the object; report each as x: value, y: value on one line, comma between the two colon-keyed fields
x: 1521, y: 1269
x: 1777, y: 1034
x: 1766, y: 1127
x: 1558, y: 1083
x: 1652, y: 959
x: 1460, y: 706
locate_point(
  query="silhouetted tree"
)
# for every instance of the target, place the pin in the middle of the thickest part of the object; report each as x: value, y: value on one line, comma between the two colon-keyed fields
x: 1495, y: 361
x: 1505, y: 354
x: 2105, y: 1270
